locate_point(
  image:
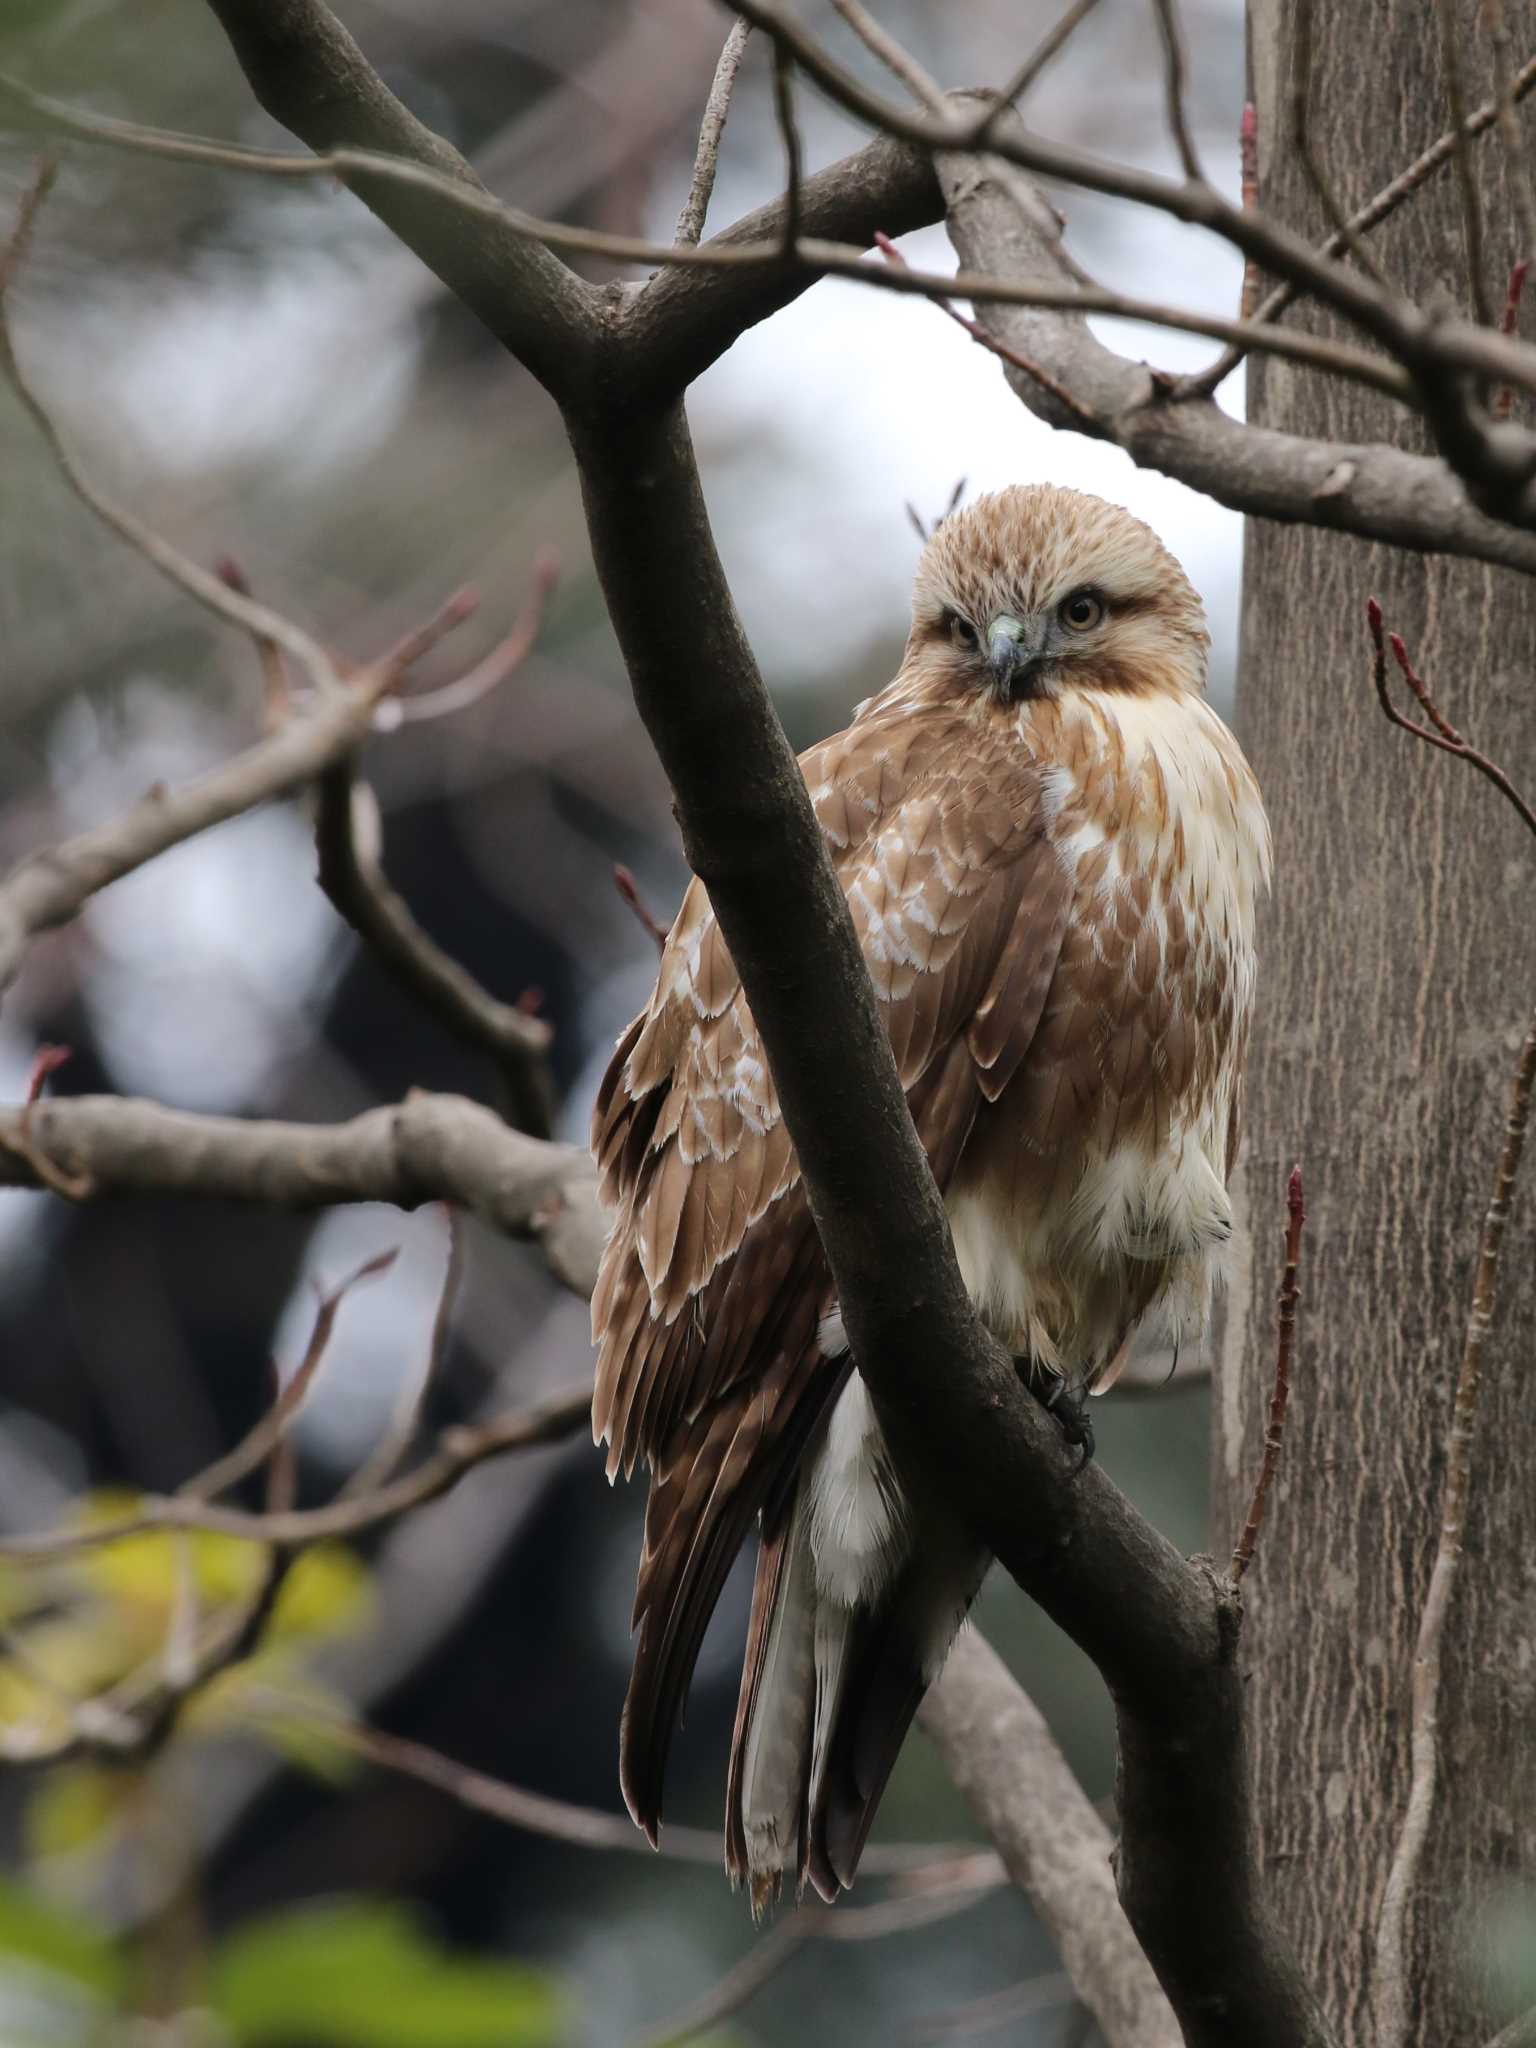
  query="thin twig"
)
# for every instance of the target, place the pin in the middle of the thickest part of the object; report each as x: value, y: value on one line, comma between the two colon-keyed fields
x: 1301, y: 141
x: 928, y: 1868
x: 1466, y: 178
x: 1175, y: 65
x: 1296, y: 1216
x: 347, y: 831
x: 979, y: 334
x: 740, y: 1984
x: 1375, y: 210
x: 981, y: 2015
x: 1439, y: 732
x: 817, y: 1922
x: 629, y: 891
x: 384, y: 1460
x: 1248, y: 160
x: 1392, y: 1999
x: 896, y: 58
x: 1050, y: 45
x: 491, y: 671
x: 276, y: 695
x: 267, y: 1435
x: 198, y: 583
x: 1522, y: 187
x: 690, y: 222
x: 458, y: 1450
x: 826, y: 259
x: 794, y: 155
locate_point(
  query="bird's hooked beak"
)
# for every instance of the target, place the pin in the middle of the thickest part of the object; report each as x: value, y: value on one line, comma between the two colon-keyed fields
x: 1016, y: 652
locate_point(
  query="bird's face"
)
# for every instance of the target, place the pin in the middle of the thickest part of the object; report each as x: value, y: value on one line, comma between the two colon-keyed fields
x: 1035, y: 591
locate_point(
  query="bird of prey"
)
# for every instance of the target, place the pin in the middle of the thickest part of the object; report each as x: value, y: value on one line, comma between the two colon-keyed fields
x: 1052, y: 849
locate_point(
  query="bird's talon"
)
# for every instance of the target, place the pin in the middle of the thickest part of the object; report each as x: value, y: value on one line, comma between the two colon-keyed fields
x: 1069, y: 1405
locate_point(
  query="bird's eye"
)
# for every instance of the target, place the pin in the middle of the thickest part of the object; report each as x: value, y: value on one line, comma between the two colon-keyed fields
x: 1082, y: 611
x: 961, y: 631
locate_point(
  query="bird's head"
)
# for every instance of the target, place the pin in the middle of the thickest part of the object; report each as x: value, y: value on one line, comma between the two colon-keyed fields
x: 1036, y: 590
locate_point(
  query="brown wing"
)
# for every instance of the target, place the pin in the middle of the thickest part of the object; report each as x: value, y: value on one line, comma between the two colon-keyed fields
x: 713, y: 1281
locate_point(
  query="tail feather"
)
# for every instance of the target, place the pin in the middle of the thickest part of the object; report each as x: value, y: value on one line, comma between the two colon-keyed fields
x: 768, y: 1789
x: 828, y: 1693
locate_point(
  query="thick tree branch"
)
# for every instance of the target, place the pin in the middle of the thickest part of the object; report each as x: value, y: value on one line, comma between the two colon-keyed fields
x: 428, y: 1148
x: 50, y: 887
x: 999, y: 222
x: 1002, y: 1757
x: 309, y: 74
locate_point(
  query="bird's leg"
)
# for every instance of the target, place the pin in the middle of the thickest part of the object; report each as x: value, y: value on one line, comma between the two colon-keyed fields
x: 1066, y: 1400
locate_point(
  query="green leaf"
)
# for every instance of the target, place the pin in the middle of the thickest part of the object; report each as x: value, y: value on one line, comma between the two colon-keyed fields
x: 34, y: 1930
x: 360, y: 1973
x: 76, y: 1807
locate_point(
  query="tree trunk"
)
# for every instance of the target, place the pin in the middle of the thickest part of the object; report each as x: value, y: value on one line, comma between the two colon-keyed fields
x: 1397, y: 976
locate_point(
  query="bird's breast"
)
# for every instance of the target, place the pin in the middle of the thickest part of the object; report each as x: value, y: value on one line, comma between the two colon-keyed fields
x: 1096, y: 1185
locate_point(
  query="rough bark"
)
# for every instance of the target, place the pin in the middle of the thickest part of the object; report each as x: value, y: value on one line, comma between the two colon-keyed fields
x: 1398, y: 973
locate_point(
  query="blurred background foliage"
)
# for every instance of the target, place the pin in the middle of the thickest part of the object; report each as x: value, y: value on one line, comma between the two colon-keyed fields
x: 261, y: 372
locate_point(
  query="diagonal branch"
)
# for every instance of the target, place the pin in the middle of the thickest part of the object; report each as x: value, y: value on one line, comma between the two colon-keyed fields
x: 309, y: 74
x: 1000, y: 223
x: 690, y: 222
x: 997, y: 1748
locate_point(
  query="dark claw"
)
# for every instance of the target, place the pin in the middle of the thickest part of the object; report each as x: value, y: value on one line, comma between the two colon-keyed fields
x: 1069, y: 1405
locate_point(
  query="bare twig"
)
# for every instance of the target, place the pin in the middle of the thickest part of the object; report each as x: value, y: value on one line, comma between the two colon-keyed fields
x: 1439, y: 732
x: 740, y: 1984
x: 491, y: 671
x: 794, y: 155
x: 457, y: 1451
x: 979, y: 334
x: 203, y: 586
x: 981, y: 2015
x: 1517, y: 165
x: 347, y: 832
x: 1343, y: 228
x: 1171, y: 34
x: 385, y: 1458
x: 1466, y: 177
x: 690, y: 222
x: 1051, y: 44
x: 817, y: 257
x: 1392, y: 1997
x: 276, y: 695
x: 1242, y: 1555
x: 268, y: 1434
x: 932, y: 1866
x: 770, y: 1951
x: 1248, y: 159
x: 1376, y: 209
x: 50, y: 888
x: 896, y: 58
x: 629, y: 891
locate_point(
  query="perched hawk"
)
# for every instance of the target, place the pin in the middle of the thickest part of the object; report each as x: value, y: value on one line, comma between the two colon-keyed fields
x: 1052, y: 848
